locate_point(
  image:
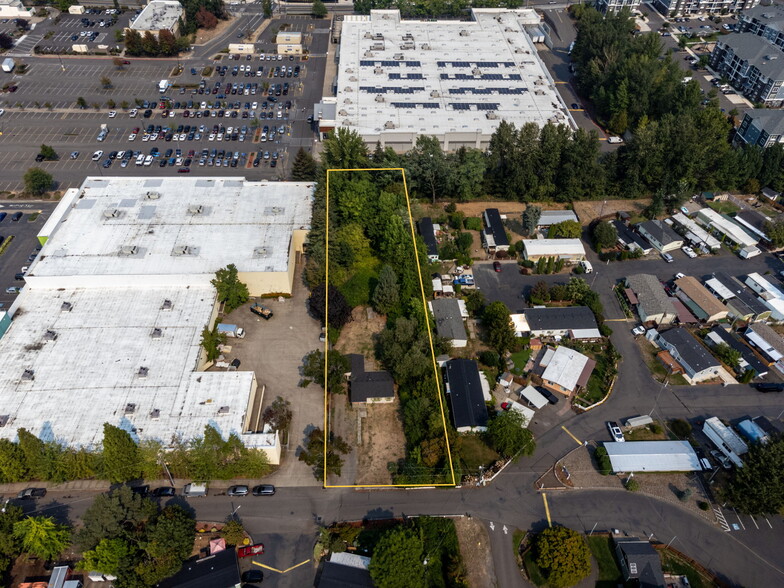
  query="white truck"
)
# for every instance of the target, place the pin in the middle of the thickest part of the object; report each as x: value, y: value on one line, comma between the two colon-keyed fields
x: 231, y: 330
x: 8, y: 65
x: 163, y: 85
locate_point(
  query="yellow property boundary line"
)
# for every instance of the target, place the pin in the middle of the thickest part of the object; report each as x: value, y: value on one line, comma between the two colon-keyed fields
x: 429, y: 335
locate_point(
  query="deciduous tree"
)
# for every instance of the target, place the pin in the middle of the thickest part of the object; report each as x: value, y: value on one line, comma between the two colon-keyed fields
x: 339, y: 309
x: 508, y: 435
x: 107, y: 557
x: 500, y: 333
x: 563, y: 556
x: 344, y: 149
x: 318, y: 9
x: 231, y: 291
x: 206, y: 20
x: 313, y: 453
x: 48, y: 153
x: 211, y: 339
x: 775, y: 232
x: 6, y: 41
x: 42, y: 537
x: 428, y: 166
x: 605, y: 235
x: 37, y: 181
x: 398, y: 560
x: 337, y: 367
x: 567, y: 229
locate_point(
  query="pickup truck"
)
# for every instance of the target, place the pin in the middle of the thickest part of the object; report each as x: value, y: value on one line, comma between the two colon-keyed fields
x: 262, y: 311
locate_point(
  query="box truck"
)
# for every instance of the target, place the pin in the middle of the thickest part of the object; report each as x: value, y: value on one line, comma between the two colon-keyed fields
x: 231, y: 330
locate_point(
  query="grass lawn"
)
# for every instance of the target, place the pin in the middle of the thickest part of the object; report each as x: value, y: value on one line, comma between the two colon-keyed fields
x: 672, y: 564
x: 724, y: 207
x: 602, y: 551
x: 520, y: 359
x: 533, y: 571
x: 645, y: 434
x: 474, y: 453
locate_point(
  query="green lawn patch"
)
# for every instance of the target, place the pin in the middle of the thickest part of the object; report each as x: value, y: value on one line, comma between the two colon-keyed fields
x: 724, y: 207
x: 672, y: 564
x: 359, y: 287
x: 602, y: 550
x: 474, y: 453
x: 520, y: 359
x: 532, y: 570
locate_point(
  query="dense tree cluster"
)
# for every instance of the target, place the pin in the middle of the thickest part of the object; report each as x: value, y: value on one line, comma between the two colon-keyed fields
x: 432, y: 8
x: 164, y: 45
x: 758, y: 487
x: 122, y: 459
x: 130, y: 537
x: 193, y: 8
x: 563, y: 556
x: 313, y: 453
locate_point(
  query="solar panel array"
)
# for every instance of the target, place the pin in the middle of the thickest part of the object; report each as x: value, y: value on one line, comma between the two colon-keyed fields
x: 487, y: 90
x: 494, y: 76
x: 388, y: 63
x: 411, y: 76
x: 415, y: 104
x: 479, y: 105
x: 476, y: 63
x: 390, y: 89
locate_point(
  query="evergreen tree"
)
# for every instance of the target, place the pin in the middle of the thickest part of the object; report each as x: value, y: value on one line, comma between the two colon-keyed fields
x: 386, y: 296
x: 231, y: 291
x: 121, y: 456
x: 304, y: 167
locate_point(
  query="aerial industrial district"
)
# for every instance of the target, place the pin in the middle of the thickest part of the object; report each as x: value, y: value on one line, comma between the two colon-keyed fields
x: 460, y: 297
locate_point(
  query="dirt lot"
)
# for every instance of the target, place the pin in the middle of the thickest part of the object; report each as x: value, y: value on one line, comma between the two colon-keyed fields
x: 357, y: 336
x: 505, y: 207
x: 382, y: 441
x: 586, y: 211
x: 204, y: 36
x: 475, y: 548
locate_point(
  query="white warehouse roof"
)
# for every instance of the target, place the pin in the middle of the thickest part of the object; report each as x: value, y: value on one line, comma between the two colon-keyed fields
x: 137, y: 227
x: 158, y: 15
x: 85, y: 367
x: 652, y: 456
x: 404, y: 77
x: 553, y: 247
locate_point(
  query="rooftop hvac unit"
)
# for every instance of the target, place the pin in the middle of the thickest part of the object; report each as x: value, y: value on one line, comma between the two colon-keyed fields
x: 50, y: 335
x: 407, y: 46
x: 180, y: 250
x: 476, y: 72
x: 157, y: 333
x: 399, y: 57
x: 4, y: 418
x: 352, y: 79
x: 378, y: 70
x: 167, y: 305
x: 155, y: 414
x: 368, y: 35
x: 195, y: 209
x: 519, y: 50
x: 378, y: 37
x: 464, y: 33
x: 152, y: 195
x: 492, y: 116
x: 408, y: 37
x: 223, y: 410
x: 379, y: 98
x: 28, y: 375
x: 66, y: 307
x: 343, y: 113
x: 111, y: 213
x: 260, y: 252
x: 435, y: 94
x: 348, y: 89
x: 130, y: 408
x: 369, y: 54
x: 143, y: 371
x: 347, y: 123
x: 378, y: 46
x: 128, y: 250
x: 389, y: 125
x: 425, y: 47
x: 509, y: 30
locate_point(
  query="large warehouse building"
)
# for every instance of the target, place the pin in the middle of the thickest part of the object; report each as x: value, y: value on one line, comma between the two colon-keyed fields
x: 108, y: 325
x: 398, y: 79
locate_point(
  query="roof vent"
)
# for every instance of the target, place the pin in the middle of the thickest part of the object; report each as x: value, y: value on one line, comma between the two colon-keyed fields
x: 157, y: 333
x: 152, y: 195
x: 155, y: 414
x: 464, y: 33
x: 476, y: 72
x: 378, y: 36
x: 425, y: 47
x: 143, y: 371
x: 379, y: 98
x: 347, y: 101
x: 167, y: 305
x: 389, y: 125
x: 378, y: 70
x: 399, y: 57
x: 181, y: 250
x: 349, y: 70
x: 435, y: 94
x: 343, y: 113
x: 260, y: 252
x: 195, y: 209
x: 50, y: 335
x: 368, y: 54
x: 367, y: 35
x: 130, y: 408
x: 127, y: 250
x: 28, y: 375
x: 491, y: 116
x: 66, y: 307
x: 352, y: 79
x: 223, y: 410
x: 4, y: 420
x: 348, y: 89
x: 111, y: 213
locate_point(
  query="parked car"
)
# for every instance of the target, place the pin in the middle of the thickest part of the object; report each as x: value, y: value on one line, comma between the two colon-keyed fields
x: 497, y: 266
x: 721, y: 458
x: 667, y: 257
x: 16, y: 216
x: 164, y: 491
x: 240, y: 490
x: 250, y: 550
x: 264, y: 490
x: 252, y: 576
x: 638, y: 330
x: 551, y: 398
x: 615, y: 431
x: 769, y: 387
x: 141, y: 490
x: 29, y: 493
x: 689, y: 251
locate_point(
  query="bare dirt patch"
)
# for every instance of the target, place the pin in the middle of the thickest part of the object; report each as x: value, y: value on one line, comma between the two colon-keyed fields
x: 204, y: 36
x: 587, y: 211
x: 357, y: 336
x: 475, y: 549
x: 382, y: 441
x: 506, y: 207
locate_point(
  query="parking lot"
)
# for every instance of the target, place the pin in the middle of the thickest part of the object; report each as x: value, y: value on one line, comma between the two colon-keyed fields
x: 23, y: 244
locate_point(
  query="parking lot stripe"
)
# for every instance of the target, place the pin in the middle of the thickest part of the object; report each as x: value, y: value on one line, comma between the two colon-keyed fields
x: 740, y: 521
x: 767, y: 521
x: 754, y: 521
x: 576, y: 440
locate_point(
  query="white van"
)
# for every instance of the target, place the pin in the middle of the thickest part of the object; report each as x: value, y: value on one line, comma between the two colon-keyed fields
x: 614, y: 140
x: 194, y: 490
x: 587, y: 267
